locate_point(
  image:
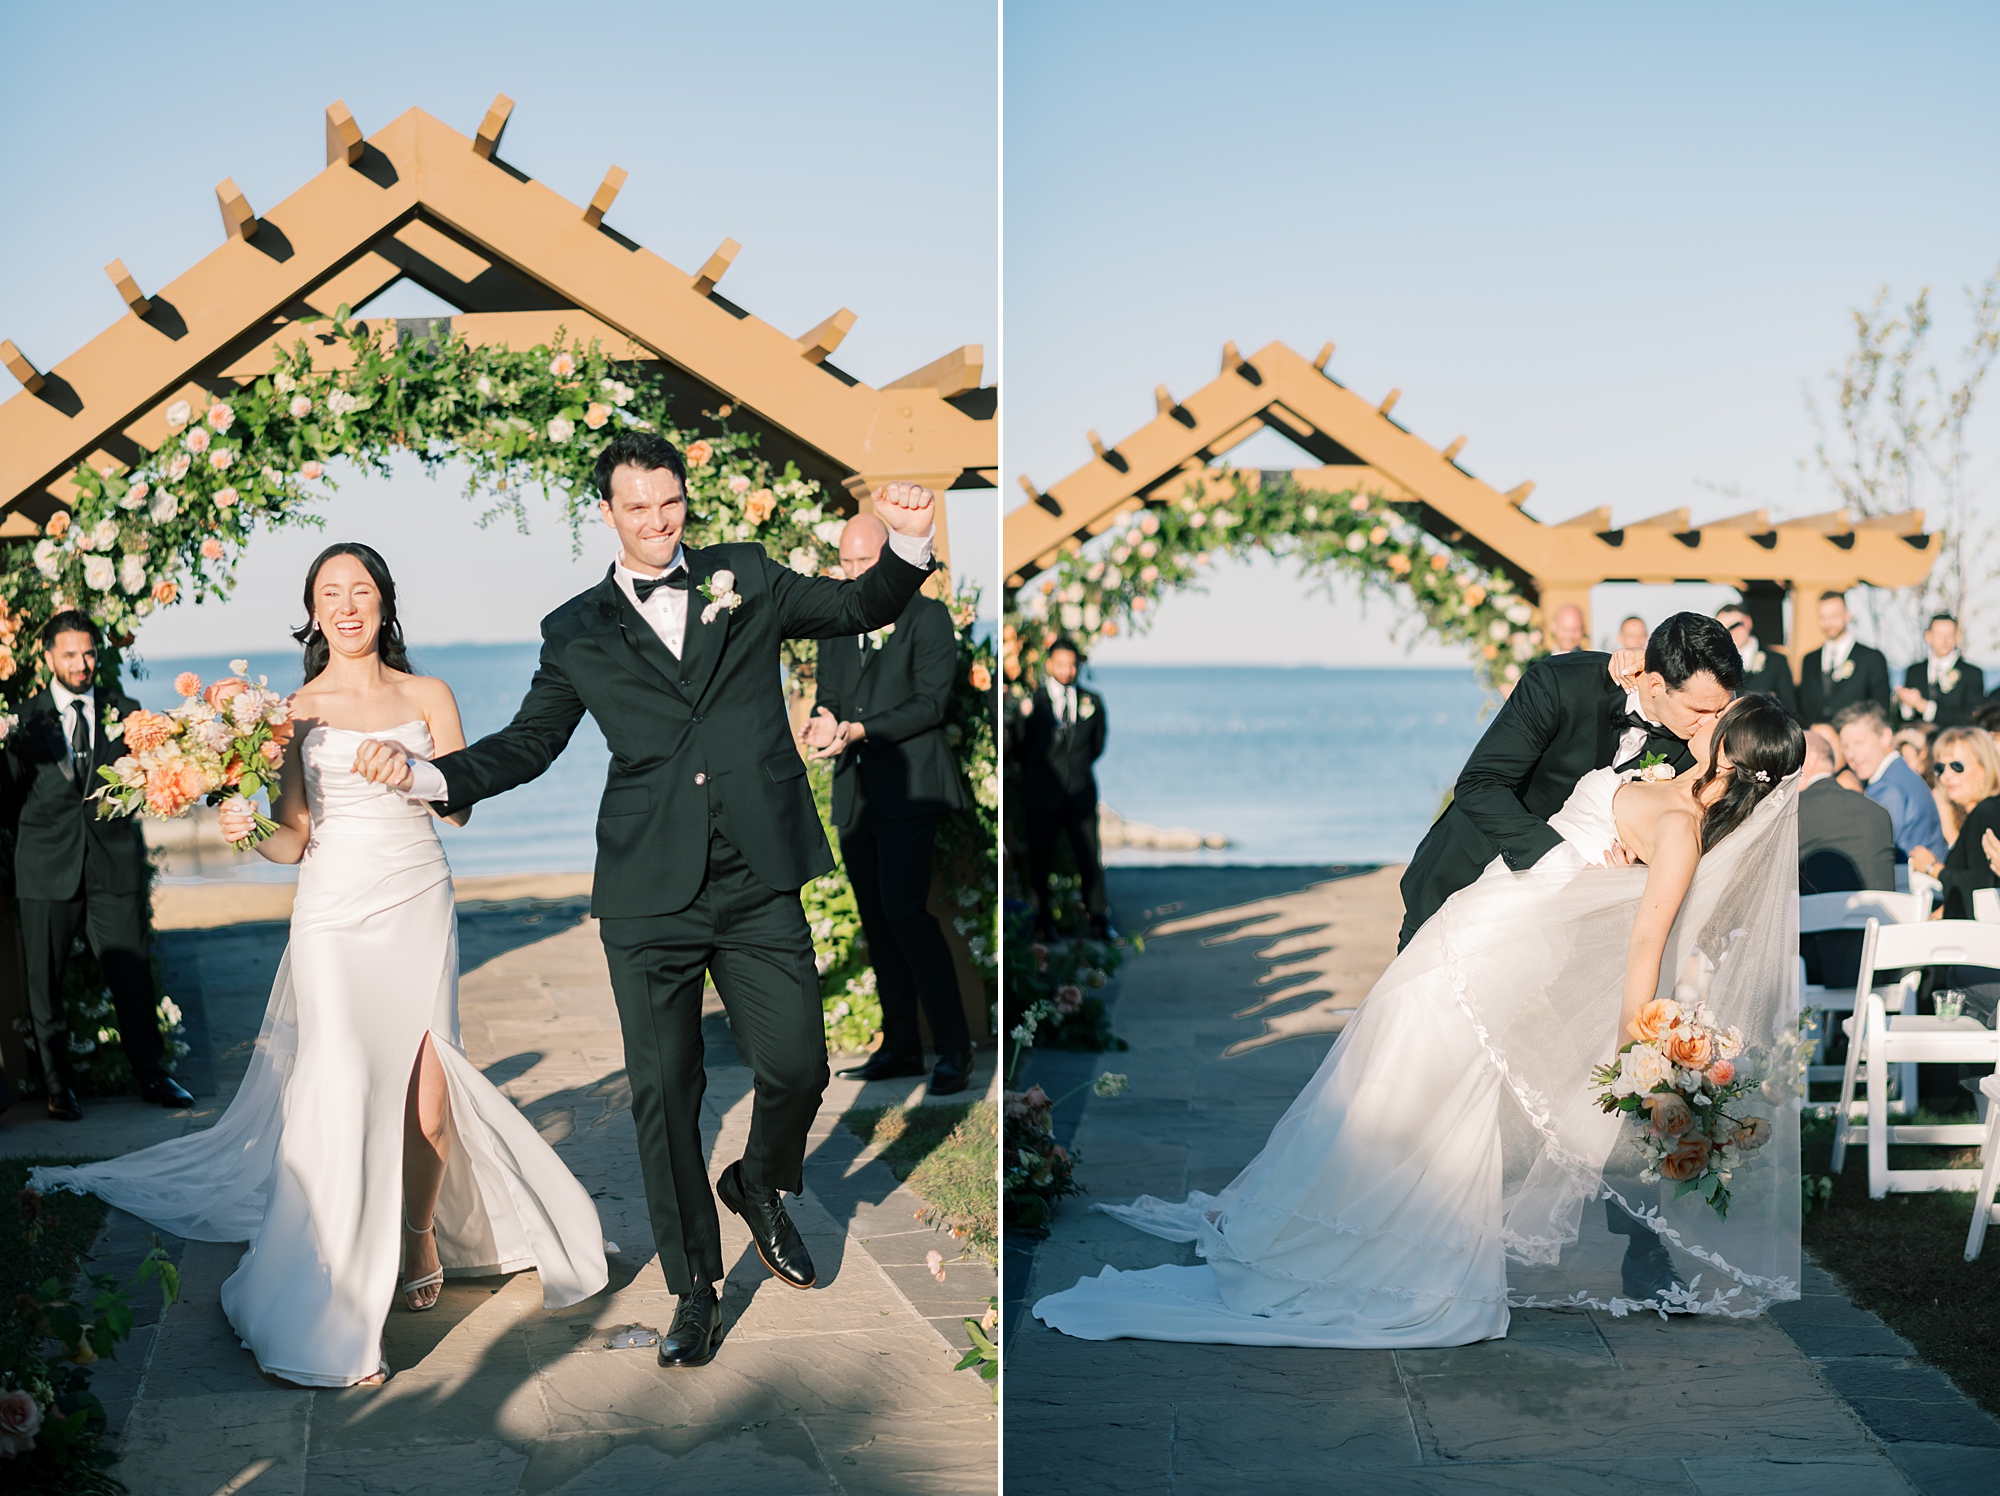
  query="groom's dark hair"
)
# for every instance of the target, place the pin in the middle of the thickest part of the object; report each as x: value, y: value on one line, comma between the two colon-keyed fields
x: 1688, y: 644
x: 646, y: 450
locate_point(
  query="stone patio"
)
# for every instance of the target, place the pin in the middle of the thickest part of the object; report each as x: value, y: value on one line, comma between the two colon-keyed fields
x: 1247, y: 975
x: 846, y: 1388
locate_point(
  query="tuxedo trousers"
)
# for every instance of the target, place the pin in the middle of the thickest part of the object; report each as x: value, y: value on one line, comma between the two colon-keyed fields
x: 754, y: 941
x: 115, y: 925
x: 889, y: 865
x: 1075, y: 818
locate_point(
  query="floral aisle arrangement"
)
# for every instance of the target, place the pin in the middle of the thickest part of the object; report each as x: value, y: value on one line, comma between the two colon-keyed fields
x: 1035, y: 1170
x: 1054, y: 992
x: 1677, y: 1079
x: 1115, y: 585
x: 223, y: 742
x: 238, y: 457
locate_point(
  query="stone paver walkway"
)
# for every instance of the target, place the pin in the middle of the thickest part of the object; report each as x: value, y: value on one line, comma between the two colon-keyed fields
x: 1566, y: 1403
x: 846, y: 1388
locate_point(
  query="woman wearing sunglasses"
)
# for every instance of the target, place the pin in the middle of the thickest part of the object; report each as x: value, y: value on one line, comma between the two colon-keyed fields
x: 1968, y: 770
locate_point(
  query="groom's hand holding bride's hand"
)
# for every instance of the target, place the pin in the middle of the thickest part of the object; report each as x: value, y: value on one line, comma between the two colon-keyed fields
x: 381, y: 762
x: 907, y: 508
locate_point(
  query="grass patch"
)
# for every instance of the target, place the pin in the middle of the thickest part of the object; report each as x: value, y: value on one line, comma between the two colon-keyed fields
x: 949, y: 1156
x: 1903, y: 1256
x: 69, y: 1224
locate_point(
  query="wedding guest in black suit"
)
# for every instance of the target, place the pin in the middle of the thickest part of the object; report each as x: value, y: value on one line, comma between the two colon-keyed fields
x: 1846, y: 842
x: 1941, y: 689
x: 1765, y: 671
x: 1058, y: 734
x: 1842, y: 671
x: 1567, y: 717
x: 881, y: 704
x: 75, y: 872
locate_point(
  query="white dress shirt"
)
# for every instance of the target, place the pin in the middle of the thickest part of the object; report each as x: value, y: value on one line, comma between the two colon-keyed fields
x: 65, y: 700
x: 1632, y: 739
x: 666, y: 613
x: 1833, y: 654
x: 1934, y: 667
x: 1062, y: 701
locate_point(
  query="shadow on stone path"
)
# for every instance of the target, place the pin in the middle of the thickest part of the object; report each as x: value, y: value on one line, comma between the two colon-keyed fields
x: 1566, y: 1403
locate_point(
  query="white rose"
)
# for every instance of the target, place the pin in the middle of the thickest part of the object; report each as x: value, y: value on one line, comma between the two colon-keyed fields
x: 222, y: 459
x: 724, y: 581
x: 483, y: 385
x: 99, y: 572
x: 1357, y: 542
x: 45, y: 559
x: 132, y: 573
x: 1640, y: 1069
x: 1729, y: 1043
x: 165, y: 507
x: 738, y: 484
x: 828, y: 530
x: 301, y: 407
x: 1499, y: 631
x: 178, y: 414
x: 1093, y: 617
x: 104, y: 532
x: 800, y: 561
x: 225, y: 498
x: 283, y: 383
x: 560, y: 430
x: 177, y: 468
x: 1072, y: 616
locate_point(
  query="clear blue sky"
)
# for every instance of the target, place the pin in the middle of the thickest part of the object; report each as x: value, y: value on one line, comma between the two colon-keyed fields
x: 851, y: 149
x: 1608, y: 243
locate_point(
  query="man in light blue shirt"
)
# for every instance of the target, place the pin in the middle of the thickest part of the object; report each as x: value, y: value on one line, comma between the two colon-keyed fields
x: 1869, y: 743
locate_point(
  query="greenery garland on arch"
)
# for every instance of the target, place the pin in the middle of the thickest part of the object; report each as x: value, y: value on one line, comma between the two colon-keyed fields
x: 1115, y: 584
x: 137, y: 540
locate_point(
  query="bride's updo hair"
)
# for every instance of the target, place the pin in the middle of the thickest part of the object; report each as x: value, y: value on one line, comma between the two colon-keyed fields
x: 388, y: 640
x: 1763, y: 743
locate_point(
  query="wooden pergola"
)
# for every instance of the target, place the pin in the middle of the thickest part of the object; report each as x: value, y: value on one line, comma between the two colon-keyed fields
x: 1362, y: 447
x: 419, y: 201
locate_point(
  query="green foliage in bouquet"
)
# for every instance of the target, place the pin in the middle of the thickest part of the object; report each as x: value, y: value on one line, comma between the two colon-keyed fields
x: 1035, y: 1170
x: 1054, y: 992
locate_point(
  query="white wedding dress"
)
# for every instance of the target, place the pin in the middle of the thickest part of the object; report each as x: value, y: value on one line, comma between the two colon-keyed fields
x: 1435, y: 1171
x: 307, y: 1163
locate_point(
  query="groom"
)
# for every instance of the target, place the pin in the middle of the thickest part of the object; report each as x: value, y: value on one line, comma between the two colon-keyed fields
x: 705, y: 834
x: 1568, y: 716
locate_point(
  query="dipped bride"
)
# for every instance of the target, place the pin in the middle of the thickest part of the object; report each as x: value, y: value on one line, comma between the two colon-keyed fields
x: 363, y: 1156
x: 1434, y: 1174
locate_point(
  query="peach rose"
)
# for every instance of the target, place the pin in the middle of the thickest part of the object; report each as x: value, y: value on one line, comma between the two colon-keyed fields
x: 226, y: 499
x: 981, y: 677
x: 1671, y: 1115
x: 301, y: 407
x: 273, y: 751
x: 187, y: 683
x: 1690, y: 1048
x: 166, y: 591
x: 1752, y: 1133
x: 596, y: 415
x: 20, y: 1421
x: 1688, y: 1159
x: 221, y: 417
x: 196, y: 441
x: 311, y: 471
x: 759, y: 506
x: 1653, y: 1017
x: 223, y: 689
x: 562, y: 366
x: 58, y: 525
x: 1721, y: 1073
x: 698, y: 453
x: 211, y: 549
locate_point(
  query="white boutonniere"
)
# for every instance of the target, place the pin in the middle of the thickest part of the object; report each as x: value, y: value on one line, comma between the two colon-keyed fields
x: 1843, y: 670
x: 877, y: 637
x: 1949, y: 680
x: 113, y: 728
x: 1753, y: 662
x: 1086, y: 709
x: 720, y: 590
x: 8, y: 722
x: 1653, y: 769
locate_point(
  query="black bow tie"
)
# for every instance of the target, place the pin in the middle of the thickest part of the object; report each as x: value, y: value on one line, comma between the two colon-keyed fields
x: 1633, y: 719
x: 645, y: 587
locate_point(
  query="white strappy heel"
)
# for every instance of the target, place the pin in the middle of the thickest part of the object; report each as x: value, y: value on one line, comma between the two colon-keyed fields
x: 415, y: 1286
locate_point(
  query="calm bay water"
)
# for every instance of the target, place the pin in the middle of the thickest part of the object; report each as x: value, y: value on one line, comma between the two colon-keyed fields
x: 544, y: 827
x: 1292, y: 764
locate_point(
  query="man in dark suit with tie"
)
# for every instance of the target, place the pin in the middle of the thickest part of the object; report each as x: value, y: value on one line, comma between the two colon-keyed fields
x: 76, y: 872
x: 1766, y: 672
x: 882, y: 699
x: 1566, y: 717
x: 1842, y: 671
x: 1846, y: 842
x: 1942, y: 689
x: 1058, y: 734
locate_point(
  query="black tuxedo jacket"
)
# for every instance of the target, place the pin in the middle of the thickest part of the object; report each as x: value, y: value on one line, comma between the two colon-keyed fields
x: 1564, y: 719
x: 695, y: 742
x: 902, y: 694
x: 1820, y: 698
x: 1954, y: 707
x: 1774, y: 680
x: 1846, y: 842
x: 61, y: 845
x: 1057, y: 758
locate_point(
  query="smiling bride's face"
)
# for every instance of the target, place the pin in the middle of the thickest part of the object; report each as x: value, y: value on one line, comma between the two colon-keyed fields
x: 347, y: 605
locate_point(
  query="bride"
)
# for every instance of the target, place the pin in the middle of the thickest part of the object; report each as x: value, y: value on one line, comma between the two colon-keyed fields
x: 1435, y: 1170
x: 361, y: 1137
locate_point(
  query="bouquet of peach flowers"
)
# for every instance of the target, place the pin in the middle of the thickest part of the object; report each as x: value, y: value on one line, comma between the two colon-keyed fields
x: 1683, y: 1072
x: 224, y: 742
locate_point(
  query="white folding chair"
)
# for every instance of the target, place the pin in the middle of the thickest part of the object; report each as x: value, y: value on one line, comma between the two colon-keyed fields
x: 1909, y: 1040
x: 1925, y: 884
x: 1983, y: 1208
x: 1986, y: 905
x: 1822, y: 912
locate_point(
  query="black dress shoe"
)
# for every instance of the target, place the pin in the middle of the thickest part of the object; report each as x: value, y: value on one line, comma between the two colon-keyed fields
x: 1647, y: 1275
x: 778, y: 1240
x: 884, y: 1066
x: 953, y: 1073
x: 696, y: 1331
x: 164, y: 1090
x: 63, y: 1106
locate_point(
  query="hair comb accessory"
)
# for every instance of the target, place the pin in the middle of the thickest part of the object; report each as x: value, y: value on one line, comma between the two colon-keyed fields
x: 1763, y: 776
